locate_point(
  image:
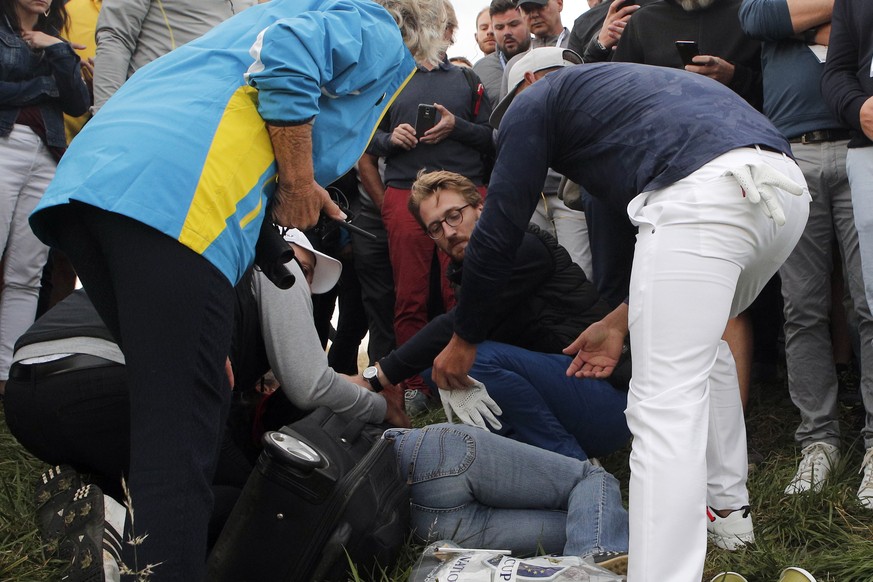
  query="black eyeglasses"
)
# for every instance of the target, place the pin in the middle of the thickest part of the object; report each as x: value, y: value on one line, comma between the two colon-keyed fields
x: 453, y: 218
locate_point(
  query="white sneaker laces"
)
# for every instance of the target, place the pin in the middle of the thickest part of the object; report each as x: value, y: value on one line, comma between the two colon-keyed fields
x: 815, y: 464
x: 867, y: 470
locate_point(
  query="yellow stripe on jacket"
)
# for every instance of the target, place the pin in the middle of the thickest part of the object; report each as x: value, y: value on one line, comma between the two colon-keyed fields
x: 240, y: 154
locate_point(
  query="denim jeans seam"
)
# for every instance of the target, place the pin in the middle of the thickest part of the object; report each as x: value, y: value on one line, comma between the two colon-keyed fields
x: 438, y: 510
x: 598, y: 527
x: 469, y: 457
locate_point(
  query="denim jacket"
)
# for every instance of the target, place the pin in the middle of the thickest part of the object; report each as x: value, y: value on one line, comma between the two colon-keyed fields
x: 50, y: 78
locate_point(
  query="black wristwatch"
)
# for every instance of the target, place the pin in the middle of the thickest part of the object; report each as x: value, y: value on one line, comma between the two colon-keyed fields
x: 371, y: 375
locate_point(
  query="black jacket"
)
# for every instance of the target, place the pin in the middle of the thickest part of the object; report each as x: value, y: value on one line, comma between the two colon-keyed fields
x: 545, y: 306
x: 651, y: 34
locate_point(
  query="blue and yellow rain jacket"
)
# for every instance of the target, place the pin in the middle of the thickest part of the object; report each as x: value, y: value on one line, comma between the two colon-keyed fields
x: 183, y: 147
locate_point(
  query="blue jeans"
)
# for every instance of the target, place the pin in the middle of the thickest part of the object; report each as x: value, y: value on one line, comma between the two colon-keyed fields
x: 541, y: 406
x: 482, y: 490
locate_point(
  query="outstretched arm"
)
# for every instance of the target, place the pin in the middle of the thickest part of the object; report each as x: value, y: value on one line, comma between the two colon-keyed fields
x: 597, y: 349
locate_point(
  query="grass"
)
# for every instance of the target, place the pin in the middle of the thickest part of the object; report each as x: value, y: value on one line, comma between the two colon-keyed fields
x: 828, y: 533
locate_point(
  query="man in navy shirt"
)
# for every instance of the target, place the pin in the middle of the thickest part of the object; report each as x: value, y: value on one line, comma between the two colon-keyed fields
x: 847, y: 86
x: 671, y: 149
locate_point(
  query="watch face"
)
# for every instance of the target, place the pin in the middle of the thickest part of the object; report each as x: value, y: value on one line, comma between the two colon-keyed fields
x: 371, y: 375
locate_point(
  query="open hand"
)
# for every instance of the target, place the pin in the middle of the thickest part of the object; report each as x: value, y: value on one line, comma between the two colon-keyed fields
x: 596, y: 351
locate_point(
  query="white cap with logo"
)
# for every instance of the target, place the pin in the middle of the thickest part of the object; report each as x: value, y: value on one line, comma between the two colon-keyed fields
x: 535, y: 60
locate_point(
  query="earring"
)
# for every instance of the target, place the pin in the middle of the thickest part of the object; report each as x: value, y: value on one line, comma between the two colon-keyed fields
x: 47, y: 12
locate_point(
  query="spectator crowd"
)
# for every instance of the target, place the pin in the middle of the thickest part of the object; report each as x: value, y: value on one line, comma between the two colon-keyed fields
x: 599, y: 233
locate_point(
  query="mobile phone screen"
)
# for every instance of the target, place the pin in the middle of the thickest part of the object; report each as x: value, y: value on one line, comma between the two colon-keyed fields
x: 687, y: 51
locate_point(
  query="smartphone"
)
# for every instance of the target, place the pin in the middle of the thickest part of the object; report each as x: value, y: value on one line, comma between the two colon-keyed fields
x: 425, y: 120
x: 687, y: 51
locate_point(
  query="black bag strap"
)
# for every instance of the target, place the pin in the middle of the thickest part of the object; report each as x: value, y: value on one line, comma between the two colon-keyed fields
x: 477, y: 89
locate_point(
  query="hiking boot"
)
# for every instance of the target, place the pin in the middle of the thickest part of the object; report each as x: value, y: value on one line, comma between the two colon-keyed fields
x: 731, y: 532
x: 615, y: 562
x: 416, y: 402
x: 795, y: 574
x: 88, y: 542
x: 865, y: 491
x: 55, y: 489
x: 817, y: 462
x: 728, y: 577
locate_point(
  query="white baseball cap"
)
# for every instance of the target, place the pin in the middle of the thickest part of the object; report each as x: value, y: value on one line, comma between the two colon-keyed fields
x: 534, y: 60
x: 327, y: 269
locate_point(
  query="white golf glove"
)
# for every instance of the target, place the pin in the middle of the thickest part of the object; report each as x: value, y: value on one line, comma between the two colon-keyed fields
x: 473, y: 405
x: 760, y: 183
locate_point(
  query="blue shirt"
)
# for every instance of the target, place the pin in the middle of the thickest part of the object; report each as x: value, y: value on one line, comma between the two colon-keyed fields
x: 792, y: 73
x: 617, y: 129
x: 183, y: 147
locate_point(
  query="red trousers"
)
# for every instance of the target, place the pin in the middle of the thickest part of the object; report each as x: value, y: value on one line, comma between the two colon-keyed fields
x: 411, y: 252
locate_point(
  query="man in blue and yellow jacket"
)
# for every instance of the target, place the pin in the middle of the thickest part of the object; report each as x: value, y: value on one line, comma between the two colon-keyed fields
x: 159, y: 201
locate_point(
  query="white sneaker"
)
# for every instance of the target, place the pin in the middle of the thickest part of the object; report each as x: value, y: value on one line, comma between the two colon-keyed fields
x: 865, y: 491
x: 731, y: 532
x: 817, y: 462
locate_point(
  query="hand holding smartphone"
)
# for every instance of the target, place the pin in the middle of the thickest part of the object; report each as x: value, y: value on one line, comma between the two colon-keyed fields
x: 687, y: 49
x: 425, y: 119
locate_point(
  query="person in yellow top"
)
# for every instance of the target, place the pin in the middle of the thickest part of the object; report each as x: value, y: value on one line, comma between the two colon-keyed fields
x: 80, y: 33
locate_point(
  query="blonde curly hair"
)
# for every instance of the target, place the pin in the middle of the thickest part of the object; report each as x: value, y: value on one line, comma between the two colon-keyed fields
x: 422, y: 24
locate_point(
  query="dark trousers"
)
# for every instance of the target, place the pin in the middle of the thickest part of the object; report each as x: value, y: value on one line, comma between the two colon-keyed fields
x: 78, y: 418
x: 612, y: 237
x: 352, y: 323
x: 373, y: 268
x: 171, y: 312
x: 81, y: 418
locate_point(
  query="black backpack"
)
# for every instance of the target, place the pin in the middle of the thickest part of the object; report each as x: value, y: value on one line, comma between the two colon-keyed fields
x: 477, y: 94
x: 325, y: 492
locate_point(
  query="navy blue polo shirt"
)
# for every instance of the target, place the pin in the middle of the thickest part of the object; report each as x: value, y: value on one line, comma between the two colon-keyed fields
x: 617, y: 129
